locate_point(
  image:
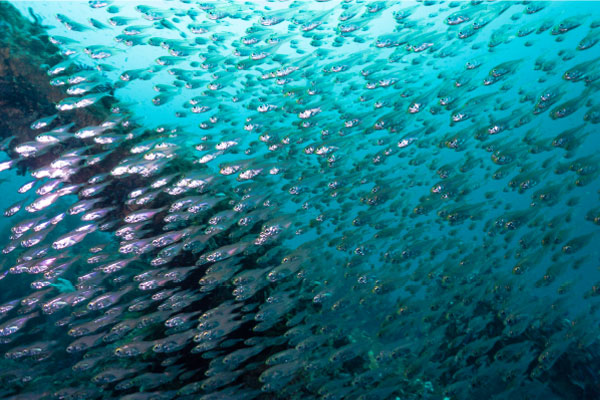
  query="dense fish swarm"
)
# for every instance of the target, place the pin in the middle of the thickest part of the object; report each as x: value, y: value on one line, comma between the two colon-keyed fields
x: 306, y: 200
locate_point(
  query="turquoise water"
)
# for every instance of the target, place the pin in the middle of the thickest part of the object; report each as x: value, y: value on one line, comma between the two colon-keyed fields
x: 297, y: 200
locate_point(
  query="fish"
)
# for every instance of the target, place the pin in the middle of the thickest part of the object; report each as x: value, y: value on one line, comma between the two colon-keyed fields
x: 299, y: 200
x: 567, y: 24
x: 70, y: 24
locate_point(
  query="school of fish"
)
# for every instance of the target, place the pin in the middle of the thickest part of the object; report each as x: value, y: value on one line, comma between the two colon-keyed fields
x: 328, y: 200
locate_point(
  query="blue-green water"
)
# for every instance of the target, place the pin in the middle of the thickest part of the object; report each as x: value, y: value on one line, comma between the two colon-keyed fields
x: 302, y: 199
